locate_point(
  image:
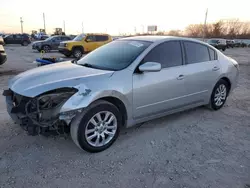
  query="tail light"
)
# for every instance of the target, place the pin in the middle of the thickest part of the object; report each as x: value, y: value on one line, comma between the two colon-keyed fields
x: 234, y: 62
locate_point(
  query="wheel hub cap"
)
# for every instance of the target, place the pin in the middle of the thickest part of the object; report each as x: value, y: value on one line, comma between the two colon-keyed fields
x: 101, y: 128
x: 220, y: 95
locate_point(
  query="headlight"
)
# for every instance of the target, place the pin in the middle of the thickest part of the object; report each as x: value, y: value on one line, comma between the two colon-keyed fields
x: 54, y: 99
x: 65, y: 44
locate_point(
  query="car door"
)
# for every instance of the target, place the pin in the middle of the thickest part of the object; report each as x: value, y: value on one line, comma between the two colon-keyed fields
x: 91, y: 43
x: 201, y: 71
x: 56, y: 42
x: 18, y: 39
x: 157, y: 92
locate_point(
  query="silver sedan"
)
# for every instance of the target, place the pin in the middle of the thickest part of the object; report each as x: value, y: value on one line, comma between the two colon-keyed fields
x: 123, y: 83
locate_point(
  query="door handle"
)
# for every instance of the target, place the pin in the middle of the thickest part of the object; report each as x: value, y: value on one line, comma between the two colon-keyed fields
x: 216, y: 68
x: 180, y: 77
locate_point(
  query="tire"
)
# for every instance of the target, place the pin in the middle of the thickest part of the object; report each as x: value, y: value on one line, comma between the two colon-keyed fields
x: 223, y: 49
x: 46, y: 48
x: 83, y: 123
x: 220, y: 86
x: 25, y: 43
x: 77, y: 53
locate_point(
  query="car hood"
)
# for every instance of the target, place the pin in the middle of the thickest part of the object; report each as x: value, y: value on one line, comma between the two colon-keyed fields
x: 49, y: 77
x: 37, y: 42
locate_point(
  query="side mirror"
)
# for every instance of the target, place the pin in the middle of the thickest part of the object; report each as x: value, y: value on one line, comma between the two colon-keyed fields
x: 150, y: 67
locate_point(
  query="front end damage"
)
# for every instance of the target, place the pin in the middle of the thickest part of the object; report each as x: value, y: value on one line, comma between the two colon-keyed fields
x: 41, y: 114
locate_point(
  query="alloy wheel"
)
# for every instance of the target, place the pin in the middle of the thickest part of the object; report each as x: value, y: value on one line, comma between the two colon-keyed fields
x: 101, y: 129
x: 220, y: 95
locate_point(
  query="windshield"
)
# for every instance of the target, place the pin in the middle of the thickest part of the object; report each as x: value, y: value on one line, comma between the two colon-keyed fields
x: 48, y: 39
x: 116, y: 55
x: 79, y: 37
x: 212, y: 41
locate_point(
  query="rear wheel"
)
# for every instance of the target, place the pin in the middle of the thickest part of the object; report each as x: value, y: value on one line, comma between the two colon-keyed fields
x: 97, y: 127
x: 219, y: 95
x: 25, y: 43
x: 77, y: 53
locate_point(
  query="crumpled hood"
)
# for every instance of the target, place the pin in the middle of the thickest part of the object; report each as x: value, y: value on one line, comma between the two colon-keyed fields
x: 66, y: 74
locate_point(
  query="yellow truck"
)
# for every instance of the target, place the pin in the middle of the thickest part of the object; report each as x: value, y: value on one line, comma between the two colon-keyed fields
x: 83, y: 43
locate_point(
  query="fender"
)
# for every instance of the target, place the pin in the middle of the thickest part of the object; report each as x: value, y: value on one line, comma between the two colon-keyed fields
x: 85, y: 96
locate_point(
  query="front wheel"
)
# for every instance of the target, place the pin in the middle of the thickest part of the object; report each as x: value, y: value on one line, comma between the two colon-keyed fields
x: 219, y: 95
x: 97, y: 128
x: 77, y: 53
x: 46, y: 48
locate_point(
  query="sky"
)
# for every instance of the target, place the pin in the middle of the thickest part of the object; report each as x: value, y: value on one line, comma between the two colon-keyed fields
x: 116, y: 16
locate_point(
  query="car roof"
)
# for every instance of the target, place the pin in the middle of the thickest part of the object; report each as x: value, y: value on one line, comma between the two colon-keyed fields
x: 154, y: 39
x: 95, y: 33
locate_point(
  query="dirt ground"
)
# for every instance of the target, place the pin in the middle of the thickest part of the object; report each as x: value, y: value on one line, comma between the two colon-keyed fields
x: 196, y: 148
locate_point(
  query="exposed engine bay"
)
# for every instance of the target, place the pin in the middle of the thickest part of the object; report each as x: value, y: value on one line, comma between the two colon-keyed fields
x: 40, y: 115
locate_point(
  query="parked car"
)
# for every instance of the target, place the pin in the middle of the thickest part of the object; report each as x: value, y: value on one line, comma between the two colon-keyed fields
x: 22, y: 39
x: 218, y: 43
x: 83, y: 43
x: 51, y: 43
x: 41, y: 36
x: 230, y: 43
x: 2, y: 41
x: 120, y: 84
x: 3, y: 55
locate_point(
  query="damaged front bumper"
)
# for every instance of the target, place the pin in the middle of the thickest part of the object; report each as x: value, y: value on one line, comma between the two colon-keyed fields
x: 17, y: 109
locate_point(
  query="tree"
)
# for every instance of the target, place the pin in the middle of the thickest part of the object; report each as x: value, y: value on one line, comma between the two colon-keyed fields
x: 195, y: 30
x: 218, y: 29
x: 174, y: 33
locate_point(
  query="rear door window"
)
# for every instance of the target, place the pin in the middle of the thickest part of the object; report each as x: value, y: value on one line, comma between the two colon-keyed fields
x: 196, y: 53
x: 169, y: 54
x: 212, y: 53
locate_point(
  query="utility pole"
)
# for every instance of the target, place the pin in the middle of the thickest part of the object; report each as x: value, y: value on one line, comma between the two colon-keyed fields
x: 21, y: 21
x: 142, y: 29
x: 64, y: 26
x: 204, y: 28
x: 44, y: 22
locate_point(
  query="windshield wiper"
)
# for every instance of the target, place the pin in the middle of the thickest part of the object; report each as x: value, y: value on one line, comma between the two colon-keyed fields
x: 88, y: 65
x: 95, y: 66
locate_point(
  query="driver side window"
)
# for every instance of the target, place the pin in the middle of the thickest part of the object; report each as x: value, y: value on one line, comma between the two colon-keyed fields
x: 168, y: 54
x: 91, y: 38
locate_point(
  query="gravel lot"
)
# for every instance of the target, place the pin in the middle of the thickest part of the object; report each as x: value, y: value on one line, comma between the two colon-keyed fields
x: 197, y: 148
